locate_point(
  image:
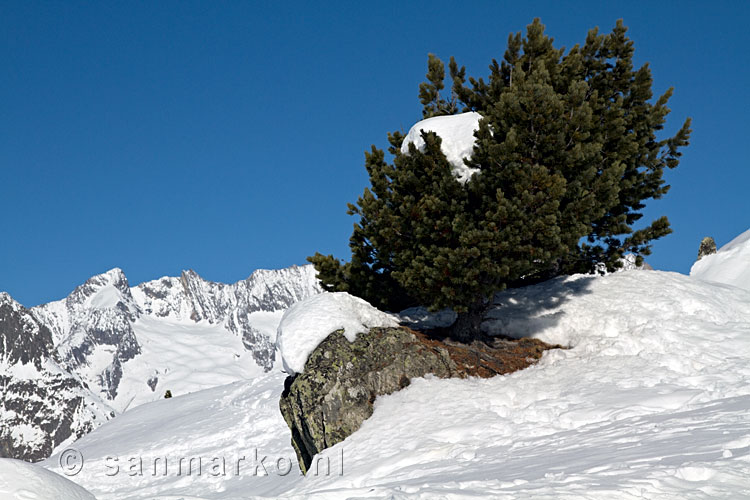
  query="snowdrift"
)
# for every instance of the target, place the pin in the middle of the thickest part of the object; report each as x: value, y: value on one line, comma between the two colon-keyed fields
x: 730, y: 265
x: 24, y: 481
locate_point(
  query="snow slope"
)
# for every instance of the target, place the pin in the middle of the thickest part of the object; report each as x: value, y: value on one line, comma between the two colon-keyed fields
x: 183, y: 357
x: 457, y: 134
x: 651, y: 400
x: 227, y: 423
x: 23, y: 481
x: 730, y: 265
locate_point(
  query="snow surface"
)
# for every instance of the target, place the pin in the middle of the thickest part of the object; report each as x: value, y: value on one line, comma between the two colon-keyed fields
x: 651, y: 400
x: 23, y: 481
x: 228, y: 423
x: 107, y: 296
x: 182, y: 357
x: 730, y: 265
x: 457, y: 134
x: 308, y: 322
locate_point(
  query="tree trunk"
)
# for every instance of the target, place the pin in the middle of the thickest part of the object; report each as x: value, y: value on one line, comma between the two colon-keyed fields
x: 466, y: 328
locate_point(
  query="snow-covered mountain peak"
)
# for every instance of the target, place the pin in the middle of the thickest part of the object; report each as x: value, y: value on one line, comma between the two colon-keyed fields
x: 192, y: 297
x: 103, y: 291
x: 109, y: 347
x: 93, y: 329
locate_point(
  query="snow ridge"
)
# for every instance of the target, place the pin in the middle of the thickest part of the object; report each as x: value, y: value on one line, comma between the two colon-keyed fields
x: 730, y: 265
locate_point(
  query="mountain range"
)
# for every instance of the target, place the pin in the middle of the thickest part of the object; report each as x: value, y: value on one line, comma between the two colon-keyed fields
x: 68, y: 366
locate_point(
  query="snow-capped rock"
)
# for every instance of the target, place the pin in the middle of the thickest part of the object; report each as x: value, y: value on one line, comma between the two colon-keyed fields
x: 308, y: 322
x: 730, y: 265
x: 457, y: 134
x: 42, y: 404
x: 24, y: 481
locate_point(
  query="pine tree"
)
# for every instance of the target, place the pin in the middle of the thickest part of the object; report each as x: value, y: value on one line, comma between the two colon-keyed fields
x: 566, y: 154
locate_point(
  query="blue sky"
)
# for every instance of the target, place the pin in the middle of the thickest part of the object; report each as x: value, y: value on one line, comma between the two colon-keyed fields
x: 229, y: 136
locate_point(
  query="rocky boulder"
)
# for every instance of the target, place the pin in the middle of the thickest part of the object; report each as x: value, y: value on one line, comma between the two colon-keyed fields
x: 707, y: 247
x: 335, y: 393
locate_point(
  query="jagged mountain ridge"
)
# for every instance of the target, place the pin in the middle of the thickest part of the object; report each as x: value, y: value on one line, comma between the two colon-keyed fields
x: 95, y: 321
x: 81, y: 347
x: 192, y: 297
x: 42, y: 404
x: 93, y: 332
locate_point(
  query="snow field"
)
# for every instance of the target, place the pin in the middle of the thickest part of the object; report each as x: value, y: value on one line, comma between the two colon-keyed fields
x: 183, y: 357
x: 23, y: 481
x: 651, y: 401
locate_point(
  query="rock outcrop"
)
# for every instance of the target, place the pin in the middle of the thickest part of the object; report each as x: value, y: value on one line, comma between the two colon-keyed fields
x: 335, y: 393
x: 707, y: 247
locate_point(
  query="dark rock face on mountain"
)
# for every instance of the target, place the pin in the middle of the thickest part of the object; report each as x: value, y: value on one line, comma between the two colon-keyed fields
x: 335, y: 394
x: 42, y: 405
x: 25, y: 341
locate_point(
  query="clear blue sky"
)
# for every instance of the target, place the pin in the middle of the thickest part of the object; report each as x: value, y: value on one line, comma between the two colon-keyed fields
x: 229, y: 136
